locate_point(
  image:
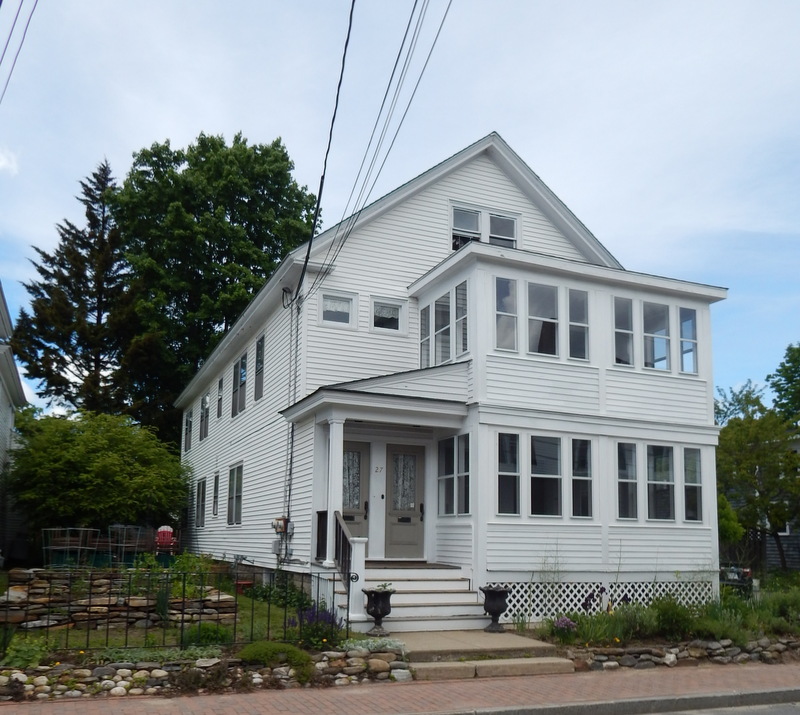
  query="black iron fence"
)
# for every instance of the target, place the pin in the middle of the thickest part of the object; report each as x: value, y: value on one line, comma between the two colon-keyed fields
x: 100, y: 609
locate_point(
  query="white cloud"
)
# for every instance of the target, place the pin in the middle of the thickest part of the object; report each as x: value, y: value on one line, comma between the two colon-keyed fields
x: 8, y: 161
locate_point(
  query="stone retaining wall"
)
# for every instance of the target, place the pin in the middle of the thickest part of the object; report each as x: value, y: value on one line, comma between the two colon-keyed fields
x: 65, y: 681
x: 38, y: 598
x: 764, y: 650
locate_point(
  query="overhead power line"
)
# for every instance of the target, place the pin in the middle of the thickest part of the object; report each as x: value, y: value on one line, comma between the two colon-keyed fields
x: 368, y: 182
x: 19, y: 48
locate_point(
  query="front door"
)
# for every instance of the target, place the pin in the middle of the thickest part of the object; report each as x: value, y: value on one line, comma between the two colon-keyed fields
x: 355, y: 487
x: 405, y: 511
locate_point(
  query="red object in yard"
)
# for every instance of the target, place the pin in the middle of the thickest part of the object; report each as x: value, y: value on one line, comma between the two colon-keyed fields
x: 242, y: 585
x: 166, y: 541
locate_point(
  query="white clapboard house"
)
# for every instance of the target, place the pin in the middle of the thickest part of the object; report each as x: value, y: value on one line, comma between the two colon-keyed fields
x: 471, y: 391
x: 12, y: 524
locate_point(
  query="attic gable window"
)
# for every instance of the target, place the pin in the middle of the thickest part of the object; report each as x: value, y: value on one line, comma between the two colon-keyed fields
x: 481, y: 225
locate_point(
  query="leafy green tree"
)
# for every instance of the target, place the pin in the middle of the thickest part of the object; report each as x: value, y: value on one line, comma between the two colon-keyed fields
x: 92, y: 470
x: 203, y: 229
x: 785, y: 383
x: 68, y: 340
x: 757, y: 469
x: 734, y: 403
x: 730, y: 530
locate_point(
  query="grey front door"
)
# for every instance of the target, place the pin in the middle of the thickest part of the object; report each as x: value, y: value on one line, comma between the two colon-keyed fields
x: 404, y: 509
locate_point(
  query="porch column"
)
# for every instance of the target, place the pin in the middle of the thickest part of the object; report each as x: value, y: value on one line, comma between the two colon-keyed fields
x: 335, y: 469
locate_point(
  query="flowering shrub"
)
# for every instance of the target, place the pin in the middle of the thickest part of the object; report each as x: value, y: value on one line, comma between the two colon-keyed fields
x: 564, y: 629
x: 315, y: 628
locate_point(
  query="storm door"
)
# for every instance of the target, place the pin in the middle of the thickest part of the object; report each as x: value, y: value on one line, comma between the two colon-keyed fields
x: 405, y: 512
x: 355, y: 487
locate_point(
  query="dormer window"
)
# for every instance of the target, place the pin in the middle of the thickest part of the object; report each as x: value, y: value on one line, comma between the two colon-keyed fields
x: 480, y: 225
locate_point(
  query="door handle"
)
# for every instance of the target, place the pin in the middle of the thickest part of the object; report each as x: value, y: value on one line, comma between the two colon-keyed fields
x: 421, y: 511
x: 366, y: 510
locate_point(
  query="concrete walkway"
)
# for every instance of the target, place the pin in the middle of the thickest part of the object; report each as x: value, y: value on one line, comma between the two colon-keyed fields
x: 620, y: 692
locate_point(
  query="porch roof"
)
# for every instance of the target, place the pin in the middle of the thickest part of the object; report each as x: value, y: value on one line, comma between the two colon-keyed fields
x: 329, y: 403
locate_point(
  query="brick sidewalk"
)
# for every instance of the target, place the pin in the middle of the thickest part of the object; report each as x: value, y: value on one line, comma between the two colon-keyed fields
x: 617, y: 693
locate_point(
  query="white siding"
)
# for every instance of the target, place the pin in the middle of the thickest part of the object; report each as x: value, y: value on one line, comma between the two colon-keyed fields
x: 257, y: 438
x: 542, y: 385
x: 438, y: 384
x: 653, y: 397
x: 662, y: 550
x: 454, y: 540
x: 535, y: 548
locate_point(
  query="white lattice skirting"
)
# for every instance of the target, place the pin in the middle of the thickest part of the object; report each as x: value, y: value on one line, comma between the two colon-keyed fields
x: 534, y: 601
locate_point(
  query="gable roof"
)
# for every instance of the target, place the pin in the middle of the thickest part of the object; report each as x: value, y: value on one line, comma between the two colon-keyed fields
x: 286, y: 275
x: 497, y: 150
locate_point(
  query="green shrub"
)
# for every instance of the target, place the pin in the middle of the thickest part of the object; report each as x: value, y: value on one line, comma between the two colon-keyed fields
x: 203, y: 634
x: 631, y: 621
x: 281, y: 592
x: 25, y: 652
x: 273, y: 654
x: 674, y: 620
x: 594, y: 629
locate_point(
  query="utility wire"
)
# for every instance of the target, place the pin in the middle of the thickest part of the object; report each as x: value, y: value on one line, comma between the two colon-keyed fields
x: 369, y: 144
x: 11, y: 31
x: 327, y: 152
x: 24, y: 33
x: 350, y: 224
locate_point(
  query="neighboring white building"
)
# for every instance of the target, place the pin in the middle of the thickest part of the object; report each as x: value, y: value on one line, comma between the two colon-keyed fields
x: 472, y: 380
x: 11, y: 397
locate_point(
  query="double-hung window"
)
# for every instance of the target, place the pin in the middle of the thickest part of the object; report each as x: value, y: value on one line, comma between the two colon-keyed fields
x: 546, y: 476
x: 235, y: 495
x: 660, y: 483
x: 471, y: 225
x: 623, y: 331
x: 688, y: 318
x: 692, y: 485
x: 655, y: 322
x: 466, y: 227
x: 581, y: 477
x: 626, y: 481
x: 258, y: 391
x: 505, y: 314
x: 507, y: 473
x: 443, y: 328
x: 187, y: 430
x: 502, y: 231
x: 454, y: 475
x: 239, y: 389
x: 542, y: 319
x: 200, y: 504
x: 204, y: 415
x: 219, y: 398
x: 578, y: 324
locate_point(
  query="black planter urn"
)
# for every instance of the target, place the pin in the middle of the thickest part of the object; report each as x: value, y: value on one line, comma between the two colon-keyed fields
x: 495, y: 604
x: 378, y: 606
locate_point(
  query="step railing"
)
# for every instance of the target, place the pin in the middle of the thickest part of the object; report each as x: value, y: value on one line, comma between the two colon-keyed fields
x: 350, y: 555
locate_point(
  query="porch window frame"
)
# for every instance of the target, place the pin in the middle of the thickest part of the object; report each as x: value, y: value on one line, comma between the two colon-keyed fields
x: 628, y: 482
x: 508, y: 480
x: 542, y: 476
x: 507, y: 313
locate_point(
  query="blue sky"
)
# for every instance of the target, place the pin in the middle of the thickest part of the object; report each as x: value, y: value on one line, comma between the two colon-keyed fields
x: 671, y: 128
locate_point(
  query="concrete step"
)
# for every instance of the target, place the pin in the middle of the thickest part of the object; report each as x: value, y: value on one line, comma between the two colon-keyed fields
x: 447, y: 609
x: 489, y: 668
x: 411, y: 582
x: 440, y: 623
